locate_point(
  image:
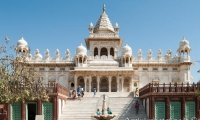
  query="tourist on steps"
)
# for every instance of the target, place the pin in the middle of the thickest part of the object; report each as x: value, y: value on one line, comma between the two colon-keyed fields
x: 74, y: 94
x: 137, y: 104
x: 109, y: 111
x: 98, y: 112
x: 79, y: 92
x: 94, y: 90
x: 82, y: 92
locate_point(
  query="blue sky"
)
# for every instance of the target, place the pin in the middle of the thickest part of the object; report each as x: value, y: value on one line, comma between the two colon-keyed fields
x: 63, y: 24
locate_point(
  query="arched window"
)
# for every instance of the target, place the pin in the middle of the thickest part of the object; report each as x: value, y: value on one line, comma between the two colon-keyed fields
x: 95, y: 51
x: 111, y: 51
x: 127, y: 59
x: 80, y: 60
x: 104, y: 51
x: 72, y: 85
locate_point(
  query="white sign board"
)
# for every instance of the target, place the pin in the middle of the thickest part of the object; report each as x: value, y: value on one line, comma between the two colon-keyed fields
x: 39, y: 117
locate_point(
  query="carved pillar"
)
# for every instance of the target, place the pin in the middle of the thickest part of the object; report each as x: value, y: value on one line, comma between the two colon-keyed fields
x: 90, y: 80
x: 145, y: 107
x: 108, y: 52
x: 99, y: 52
x: 117, y: 83
x: 150, y: 108
x: 123, y: 83
x: 75, y: 82
x: 153, y: 108
x: 55, y: 112
x: 85, y: 81
x: 131, y: 84
x: 23, y: 114
x: 198, y: 108
x: 109, y: 80
x: 78, y: 62
x: 39, y: 105
x: 183, y: 108
x: 167, y: 111
x: 98, y: 80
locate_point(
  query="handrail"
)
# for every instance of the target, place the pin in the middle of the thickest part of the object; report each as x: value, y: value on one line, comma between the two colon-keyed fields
x: 151, y: 87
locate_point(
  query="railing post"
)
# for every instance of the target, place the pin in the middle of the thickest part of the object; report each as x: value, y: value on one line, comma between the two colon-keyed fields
x: 164, y: 89
x: 188, y: 87
x: 149, y: 87
x: 182, y: 88
x: 176, y: 89
x: 157, y: 88
x: 194, y: 88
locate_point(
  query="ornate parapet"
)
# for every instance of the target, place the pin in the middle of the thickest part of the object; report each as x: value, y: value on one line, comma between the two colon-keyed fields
x: 104, y: 35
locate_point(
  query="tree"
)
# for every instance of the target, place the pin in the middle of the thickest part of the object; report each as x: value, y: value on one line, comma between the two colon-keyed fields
x: 18, y: 80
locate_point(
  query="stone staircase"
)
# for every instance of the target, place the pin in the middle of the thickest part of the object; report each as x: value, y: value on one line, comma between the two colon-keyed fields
x: 121, y: 104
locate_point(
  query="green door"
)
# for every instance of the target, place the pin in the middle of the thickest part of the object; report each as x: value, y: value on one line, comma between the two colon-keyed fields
x: 175, y: 110
x: 16, y: 111
x: 159, y: 110
x: 190, y: 110
x: 47, y: 110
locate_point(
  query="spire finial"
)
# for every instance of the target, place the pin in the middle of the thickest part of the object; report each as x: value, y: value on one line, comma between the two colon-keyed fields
x: 183, y: 37
x: 104, y: 7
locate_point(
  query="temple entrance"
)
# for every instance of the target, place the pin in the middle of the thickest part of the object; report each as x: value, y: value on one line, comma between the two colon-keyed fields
x: 104, y: 85
x: 81, y: 82
x: 31, y: 111
x: 114, y: 85
x: 126, y: 84
x: 94, y: 84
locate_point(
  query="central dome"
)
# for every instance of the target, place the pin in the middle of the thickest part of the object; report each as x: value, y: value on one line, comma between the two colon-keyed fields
x: 81, y: 50
x: 126, y: 50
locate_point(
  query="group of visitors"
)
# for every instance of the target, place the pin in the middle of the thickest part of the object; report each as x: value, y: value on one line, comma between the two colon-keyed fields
x: 108, y: 111
x: 79, y: 93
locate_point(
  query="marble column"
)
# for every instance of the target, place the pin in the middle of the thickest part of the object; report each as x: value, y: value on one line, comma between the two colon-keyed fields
x: 99, y: 50
x: 123, y: 84
x: 98, y: 80
x: 109, y: 80
x: 108, y: 52
x: 75, y: 82
x: 90, y: 80
x: 78, y: 62
x: 131, y: 88
x: 117, y: 83
x: 85, y: 81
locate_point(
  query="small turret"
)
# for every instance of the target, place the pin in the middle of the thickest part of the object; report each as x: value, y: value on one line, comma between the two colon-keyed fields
x: 22, y: 47
x: 184, y: 50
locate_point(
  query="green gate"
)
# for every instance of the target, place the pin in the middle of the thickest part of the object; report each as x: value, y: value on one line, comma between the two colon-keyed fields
x: 190, y: 110
x: 175, y: 110
x: 47, y: 110
x: 16, y: 111
x: 159, y: 110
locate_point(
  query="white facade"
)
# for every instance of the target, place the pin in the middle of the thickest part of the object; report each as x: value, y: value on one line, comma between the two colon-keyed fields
x: 103, y: 68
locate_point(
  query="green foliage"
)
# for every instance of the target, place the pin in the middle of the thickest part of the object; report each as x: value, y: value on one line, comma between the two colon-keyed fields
x: 198, y: 92
x: 18, y: 82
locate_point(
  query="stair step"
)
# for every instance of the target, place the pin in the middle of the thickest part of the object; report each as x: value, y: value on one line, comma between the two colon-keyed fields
x: 121, y: 104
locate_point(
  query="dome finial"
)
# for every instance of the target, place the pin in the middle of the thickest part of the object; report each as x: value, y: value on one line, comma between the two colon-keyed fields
x: 104, y: 7
x: 183, y: 37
